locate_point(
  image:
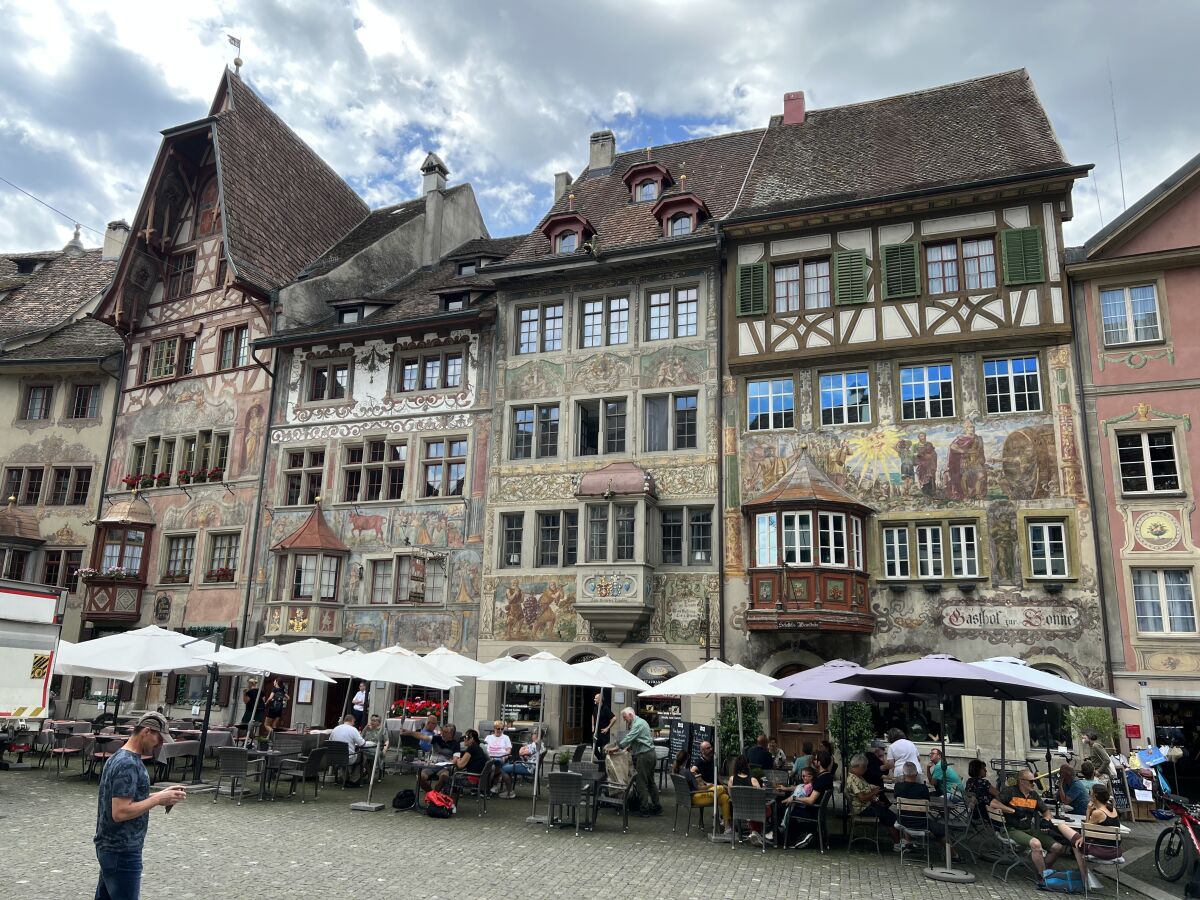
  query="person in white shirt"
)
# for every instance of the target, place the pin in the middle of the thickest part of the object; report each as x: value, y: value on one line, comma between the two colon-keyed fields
x: 900, y: 751
x: 499, y: 749
x: 348, y: 734
x: 359, y: 705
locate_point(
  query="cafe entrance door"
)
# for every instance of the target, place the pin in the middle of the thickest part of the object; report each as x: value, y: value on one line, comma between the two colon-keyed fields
x: 795, y: 721
x: 579, y: 705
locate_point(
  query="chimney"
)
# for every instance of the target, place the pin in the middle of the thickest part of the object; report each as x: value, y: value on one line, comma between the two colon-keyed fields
x: 433, y: 172
x: 562, y: 181
x: 603, y: 149
x: 115, y: 236
x: 793, y: 108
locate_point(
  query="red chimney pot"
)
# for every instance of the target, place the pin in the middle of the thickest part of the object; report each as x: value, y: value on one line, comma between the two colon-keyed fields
x: 793, y: 108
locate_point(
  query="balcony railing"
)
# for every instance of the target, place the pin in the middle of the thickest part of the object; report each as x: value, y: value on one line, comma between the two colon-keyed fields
x: 294, y: 619
x: 816, y: 599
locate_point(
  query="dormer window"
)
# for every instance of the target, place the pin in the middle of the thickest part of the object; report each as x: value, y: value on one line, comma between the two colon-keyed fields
x: 679, y: 224
x: 646, y: 190
x: 350, y: 315
x: 452, y: 302
x: 568, y: 242
x: 468, y: 267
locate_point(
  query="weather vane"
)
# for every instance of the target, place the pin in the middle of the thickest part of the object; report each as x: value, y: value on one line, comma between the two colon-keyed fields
x: 237, y: 60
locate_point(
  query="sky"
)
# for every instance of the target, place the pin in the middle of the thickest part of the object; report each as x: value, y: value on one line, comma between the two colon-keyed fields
x: 508, y: 93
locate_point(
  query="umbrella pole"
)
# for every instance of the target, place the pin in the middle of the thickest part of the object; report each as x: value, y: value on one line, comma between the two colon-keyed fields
x: 537, y: 772
x: 741, y: 730
x: 948, y: 872
x: 717, y: 767
x: 367, y: 805
x: 845, y: 736
x: 117, y: 707
x: 1000, y: 774
x: 198, y: 765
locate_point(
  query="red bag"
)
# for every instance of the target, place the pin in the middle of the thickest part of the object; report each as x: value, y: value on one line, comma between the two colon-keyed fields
x: 439, y: 805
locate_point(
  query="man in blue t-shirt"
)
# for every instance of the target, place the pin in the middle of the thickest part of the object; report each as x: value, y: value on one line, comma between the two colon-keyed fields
x: 123, y: 810
x: 1072, y: 790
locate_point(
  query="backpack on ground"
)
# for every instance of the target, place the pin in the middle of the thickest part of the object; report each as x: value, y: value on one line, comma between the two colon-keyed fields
x: 439, y: 805
x: 1068, y: 881
x: 405, y: 799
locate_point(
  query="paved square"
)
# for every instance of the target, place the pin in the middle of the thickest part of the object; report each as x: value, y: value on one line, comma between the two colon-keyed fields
x: 323, y: 849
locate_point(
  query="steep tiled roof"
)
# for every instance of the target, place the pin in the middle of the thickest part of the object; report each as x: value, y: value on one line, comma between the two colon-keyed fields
x: 975, y: 130
x: 377, y: 224
x: 1144, y: 204
x: 715, y: 168
x: 314, y: 534
x: 284, y: 206
x: 17, y: 523
x: 493, y: 248
x: 83, y: 339
x: 805, y: 482
x: 52, y: 294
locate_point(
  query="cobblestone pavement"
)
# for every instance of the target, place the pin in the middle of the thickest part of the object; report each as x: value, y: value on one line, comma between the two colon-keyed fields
x: 323, y: 849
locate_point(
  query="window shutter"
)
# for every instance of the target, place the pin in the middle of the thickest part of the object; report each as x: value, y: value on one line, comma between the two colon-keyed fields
x: 172, y: 695
x: 901, y: 271
x: 752, y: 289
x: 1022, y: 249
x: 79, y: 687
x: 224, y: 683
x: 850, y: 276
x: 125, y: 690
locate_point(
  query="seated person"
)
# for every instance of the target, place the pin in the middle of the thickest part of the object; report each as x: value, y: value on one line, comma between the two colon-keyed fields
x: 803, y: 761
x: 1087, y: 776
x: 827, y: 745
x: 376, y: 735
x: 1071, y: 791
x: 777, y: 754
x: 864, y: 797
x: 979, y: 787
x: 953, y: 783
x: 425, y: 734
x: 499, y: 748
x: 741, y: 777
x: 702, y: 768
x: 759, y: 756
x: 526, y: 764
x: 1099, y: 812
x: 912, y: 788
x: 1023, y: 811
x: 348, y: 734
x: 801, y: 810
x: 874, y: 773
x: 701, y: 790
x: 444, y: 746
x: 469, y: 761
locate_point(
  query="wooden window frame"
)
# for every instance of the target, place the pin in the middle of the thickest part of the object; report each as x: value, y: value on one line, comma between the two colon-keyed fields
x: 180, y: 275
x: 305, y: 471
x: 366, y: 464
x: 330, y: 367
x: 445, y: 489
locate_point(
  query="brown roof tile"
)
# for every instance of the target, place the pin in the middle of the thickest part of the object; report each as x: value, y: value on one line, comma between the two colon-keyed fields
x: 314, y: 534
x: 377, y: 224
x: 804, y: 482
x: 284, y: 205
x: 715, y: 168
x: 975, y: 130
x: 54, y: 292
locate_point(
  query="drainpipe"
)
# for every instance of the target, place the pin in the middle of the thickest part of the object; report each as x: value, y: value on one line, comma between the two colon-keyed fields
x: 1078, y: 349
x: 720, y: 270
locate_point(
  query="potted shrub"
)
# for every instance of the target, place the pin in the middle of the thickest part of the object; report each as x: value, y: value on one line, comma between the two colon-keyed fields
x: 564, y: 760
x: 131, y: 481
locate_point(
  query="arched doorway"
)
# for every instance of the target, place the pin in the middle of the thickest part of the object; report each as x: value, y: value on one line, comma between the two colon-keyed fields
x: 659, y: 712
x: 795, y: 721
x: 578, y: 703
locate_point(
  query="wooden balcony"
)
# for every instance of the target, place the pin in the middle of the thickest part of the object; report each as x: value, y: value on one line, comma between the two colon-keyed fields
x: 810, y: 599
x: 108, y: 600
x: 294, y: 619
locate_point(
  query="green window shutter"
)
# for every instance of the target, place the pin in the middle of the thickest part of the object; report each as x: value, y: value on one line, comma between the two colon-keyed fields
x: 850, y: 276
x: 901, y: 271
x: 752, y: 289
x: 1022, y: 250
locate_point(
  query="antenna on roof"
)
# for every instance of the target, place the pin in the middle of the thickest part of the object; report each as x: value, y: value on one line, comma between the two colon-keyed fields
x: 237, y: 60
x: 1117, y: 134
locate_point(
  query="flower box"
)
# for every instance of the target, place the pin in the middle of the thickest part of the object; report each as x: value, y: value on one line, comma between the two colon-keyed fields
x: 198, y: 477
x: 162, y: 479
x: 215, y: 474
x: 146, y: 481
x: 177, y: 578
x: 221, y: 574
x: 131, y: 481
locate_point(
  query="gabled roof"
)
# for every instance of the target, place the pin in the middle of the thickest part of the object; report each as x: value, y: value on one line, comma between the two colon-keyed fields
x: 314, y: 534
x: 43, y: 302
x: 17, y: 524
x: 283, y: 205
x: 715, y: 168
x: 805, y: 482
x: 488, y: 248
x: 1159, y: 198
x: 985, y: 128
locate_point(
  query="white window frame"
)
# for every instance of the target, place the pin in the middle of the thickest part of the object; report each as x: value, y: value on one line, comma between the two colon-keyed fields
x: 931, y: 556
x: 775, y: 395
x: 925, y: 400
x: 795, y: 524
x: 838, y: 556
x: 840, y: 414
x: 1128, y: 325
x: 964, y: 550
x: 766, y: 540
x: 896, y: 560
x: 540, y: 334
x: 1039, y: 532
x: 1146, y: 463
x: 612, y: 307
x: 1162, y: 602
x: 1005, y: 384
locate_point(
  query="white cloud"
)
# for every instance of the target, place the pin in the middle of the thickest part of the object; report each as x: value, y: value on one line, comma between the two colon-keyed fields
x: 507, y: 94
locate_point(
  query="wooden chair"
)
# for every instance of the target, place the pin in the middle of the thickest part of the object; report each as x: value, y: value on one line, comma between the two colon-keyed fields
x: 912, y: 820
x: 566, y: 793
x: 1102, y: 847
x: 234, y: 764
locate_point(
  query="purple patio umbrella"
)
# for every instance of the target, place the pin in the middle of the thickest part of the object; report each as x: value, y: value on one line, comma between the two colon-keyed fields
x: 942, y: 676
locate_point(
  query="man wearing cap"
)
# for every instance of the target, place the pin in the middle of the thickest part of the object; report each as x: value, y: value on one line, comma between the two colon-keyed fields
x: 123, y: 811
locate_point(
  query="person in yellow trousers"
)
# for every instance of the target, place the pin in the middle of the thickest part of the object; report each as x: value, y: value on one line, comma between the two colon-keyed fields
x: 702, y: 791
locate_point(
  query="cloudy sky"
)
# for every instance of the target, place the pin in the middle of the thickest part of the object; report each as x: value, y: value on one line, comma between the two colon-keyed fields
x: 507, y: 93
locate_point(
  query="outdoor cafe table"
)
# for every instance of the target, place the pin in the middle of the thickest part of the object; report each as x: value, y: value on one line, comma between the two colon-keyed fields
x: 217, y: 737
x: 272, y: 762
x: 168, y: 753
x: 1076, y: 822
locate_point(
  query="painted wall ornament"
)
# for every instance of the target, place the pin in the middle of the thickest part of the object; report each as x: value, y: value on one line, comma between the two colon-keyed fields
x: 536, y: 611
x: 966, y: 466
x: 1156, y: 530
x: 1144, y: 412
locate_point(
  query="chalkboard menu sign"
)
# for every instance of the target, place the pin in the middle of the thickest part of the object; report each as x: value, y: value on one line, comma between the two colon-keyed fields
x: 700, y: 734
x: 681, y: 733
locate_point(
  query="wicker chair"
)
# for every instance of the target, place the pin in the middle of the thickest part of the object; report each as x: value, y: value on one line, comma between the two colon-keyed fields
x: 234, y: 763
x: 301, y: 770
x: 749, y: 804
x: 912, y: 820
x: 615, y: 796
x: 464, y: 786
x: 290, y: 744
x: 683, y: 800
x: 566, y: 792
x: 338, y: 757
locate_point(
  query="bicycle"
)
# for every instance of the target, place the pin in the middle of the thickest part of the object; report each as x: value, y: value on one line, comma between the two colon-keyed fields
x: 1179, y: 845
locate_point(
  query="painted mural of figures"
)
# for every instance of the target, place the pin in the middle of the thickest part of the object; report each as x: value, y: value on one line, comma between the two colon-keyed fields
x: 904, y: 450
x: 966, y: 466
x: 548, y: 605
x: 1004, y: 543
x: 514, y: 626
x: 925, y: 465
x: 837, y: 464
x: 255, y: 427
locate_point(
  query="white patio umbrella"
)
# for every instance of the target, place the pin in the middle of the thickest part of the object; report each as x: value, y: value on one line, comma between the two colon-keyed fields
x: 542, y: 669
x: 448, y: 662
x: 394, y: 665
x: 608, y: 668
x: 765, y: 679
x: 715, y: 678
x: 311, y: 649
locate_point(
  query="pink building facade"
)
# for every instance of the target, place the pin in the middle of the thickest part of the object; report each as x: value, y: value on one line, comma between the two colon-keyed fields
x: 1136, y: 297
